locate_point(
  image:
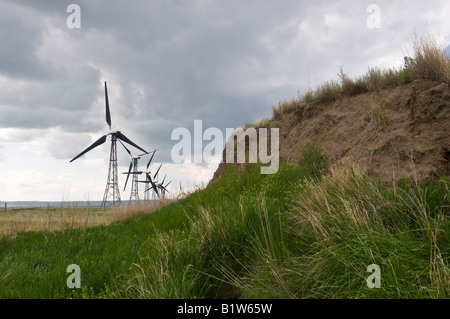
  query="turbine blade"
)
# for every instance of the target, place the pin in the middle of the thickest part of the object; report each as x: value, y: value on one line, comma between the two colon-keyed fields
x: 148, y: 164
x: 156, y: 174
x: 127, y: 140
x: 162, y: 183
x: 128, y: 175
x: 108, y: 114
x: 155, y: 189
x: 100, y: 141
x: 125, y: 148
x: 167, y: 184
x: 154, y: 186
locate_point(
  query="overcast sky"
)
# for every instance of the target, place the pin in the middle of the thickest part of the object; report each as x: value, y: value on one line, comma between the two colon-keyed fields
x: 168, y: 63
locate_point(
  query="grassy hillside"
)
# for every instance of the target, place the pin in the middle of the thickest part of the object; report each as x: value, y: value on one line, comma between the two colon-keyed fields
x: 296, y: 234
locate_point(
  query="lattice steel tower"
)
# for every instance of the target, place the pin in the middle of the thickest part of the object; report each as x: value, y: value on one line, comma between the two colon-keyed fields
x: 133, y: 170
x: 111, y: 196
x: 134, y: 182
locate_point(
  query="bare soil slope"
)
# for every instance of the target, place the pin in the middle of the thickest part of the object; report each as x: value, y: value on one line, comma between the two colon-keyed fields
x: 395, y: 133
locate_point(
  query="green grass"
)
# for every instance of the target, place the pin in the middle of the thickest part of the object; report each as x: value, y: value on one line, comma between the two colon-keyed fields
x: 305, y: 232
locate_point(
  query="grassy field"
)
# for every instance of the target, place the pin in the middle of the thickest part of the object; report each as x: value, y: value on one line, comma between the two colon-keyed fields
x: 305, y: 232
x: 69, y: 217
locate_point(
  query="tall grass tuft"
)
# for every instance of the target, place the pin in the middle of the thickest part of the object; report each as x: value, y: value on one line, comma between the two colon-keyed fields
x: 285, y: 107
x: 327, y: 92
x: 429, y: 61
x: 313, y: 162
x: 352, y: 87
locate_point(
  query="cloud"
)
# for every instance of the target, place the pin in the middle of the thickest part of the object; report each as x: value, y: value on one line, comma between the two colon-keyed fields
x: 21, y: 35
x: 35, y: 185
x: 2, y: 153
x: 170, y: 62
x: 61, y: 145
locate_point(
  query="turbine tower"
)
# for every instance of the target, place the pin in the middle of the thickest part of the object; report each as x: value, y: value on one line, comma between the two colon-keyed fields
x: 111, y: 196
x: 133, y: 166
x: 148, y: 181
x: 163, y: 188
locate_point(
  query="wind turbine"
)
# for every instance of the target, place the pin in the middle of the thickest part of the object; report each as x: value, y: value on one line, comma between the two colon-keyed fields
x: 111, y: 196
x: 133, y: 165
x: 163, y: 187
x: 152, y: 182
x: 182, y: 194
x: 148, y: 179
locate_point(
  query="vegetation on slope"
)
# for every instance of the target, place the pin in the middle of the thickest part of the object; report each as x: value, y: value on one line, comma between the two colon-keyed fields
x: 295, y: 234
x: 428, y: 62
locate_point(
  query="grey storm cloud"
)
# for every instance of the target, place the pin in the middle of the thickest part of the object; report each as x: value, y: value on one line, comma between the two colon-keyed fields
x: 170, y: 62
x: 55, y: 102
x: 20, y: 35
